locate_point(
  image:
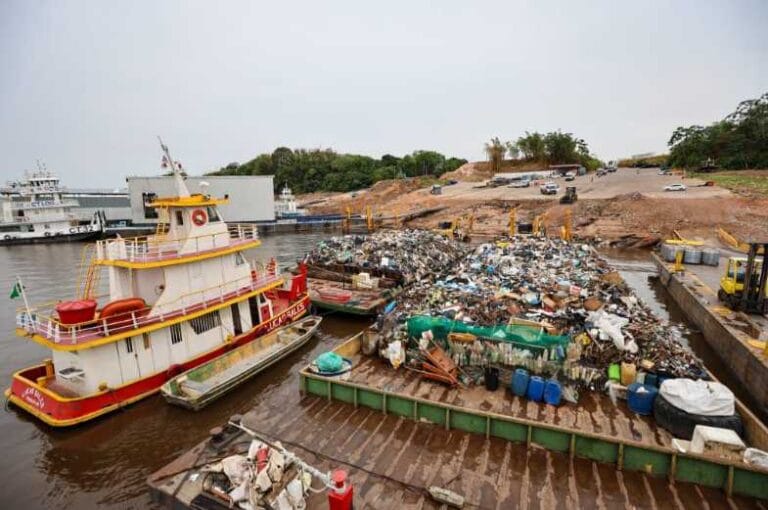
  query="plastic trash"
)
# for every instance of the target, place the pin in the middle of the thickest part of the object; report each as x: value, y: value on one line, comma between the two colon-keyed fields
x: 329, y: 362
x: 707, y: 398
x: 756, y: 457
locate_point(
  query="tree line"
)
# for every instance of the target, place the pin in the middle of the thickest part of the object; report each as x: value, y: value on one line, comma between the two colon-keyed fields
x: 739, y: 141
x: 553, y: 148
x: 307, y: 170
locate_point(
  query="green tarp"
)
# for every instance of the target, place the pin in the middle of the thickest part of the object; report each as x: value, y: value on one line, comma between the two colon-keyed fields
x: 524, y: 336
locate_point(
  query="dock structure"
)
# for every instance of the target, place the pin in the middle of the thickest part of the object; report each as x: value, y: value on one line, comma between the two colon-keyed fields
x: 596, y: 430
x: 737, y: 338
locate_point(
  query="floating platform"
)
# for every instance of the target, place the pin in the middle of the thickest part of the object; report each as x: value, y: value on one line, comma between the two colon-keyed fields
x: 595, y: 429
x: 734, y: 337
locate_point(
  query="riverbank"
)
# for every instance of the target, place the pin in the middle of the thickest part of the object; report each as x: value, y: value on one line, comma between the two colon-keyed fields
x: 627, y: 208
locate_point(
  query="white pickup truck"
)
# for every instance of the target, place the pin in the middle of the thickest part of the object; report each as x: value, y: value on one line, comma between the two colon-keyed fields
x: 549, y: 188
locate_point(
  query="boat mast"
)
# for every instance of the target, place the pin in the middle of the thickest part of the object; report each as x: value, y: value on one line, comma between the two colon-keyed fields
x: 181, y: 186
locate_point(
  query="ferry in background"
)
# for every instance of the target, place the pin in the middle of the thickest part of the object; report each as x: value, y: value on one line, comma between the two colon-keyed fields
x: 175, y: 300
x: 34, y: 211
x: 286, y: 209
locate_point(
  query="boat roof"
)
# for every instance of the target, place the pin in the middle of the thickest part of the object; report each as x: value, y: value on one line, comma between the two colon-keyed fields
x: 196, y: 200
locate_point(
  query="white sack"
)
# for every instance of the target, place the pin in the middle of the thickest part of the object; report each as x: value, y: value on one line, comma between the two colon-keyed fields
x: 707, y: 398
x: 236, y: 469
x: 610, y: 327
x: 756, y: 457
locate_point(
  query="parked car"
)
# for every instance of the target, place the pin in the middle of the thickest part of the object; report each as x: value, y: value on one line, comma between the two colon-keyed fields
x: 522, y: 183
x: 664, y: 172
x: 600, y: 172
x: 675, y: 187
x: 549, y: 188
x: 570, y: 177
x: 452, y: 182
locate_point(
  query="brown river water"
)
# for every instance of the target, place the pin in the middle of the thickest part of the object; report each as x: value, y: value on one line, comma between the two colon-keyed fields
x: 104, y: 464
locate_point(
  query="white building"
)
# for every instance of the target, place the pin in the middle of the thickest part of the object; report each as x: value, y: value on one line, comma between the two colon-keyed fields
x: 113, y: 203
x: 251, y: 197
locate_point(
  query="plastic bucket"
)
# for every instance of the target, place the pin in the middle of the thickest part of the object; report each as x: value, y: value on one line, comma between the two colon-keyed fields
x: 628, y: 373
x: 520, y: 382
x: 536, y: 388
x: 553, y: 392
x: 641, y: 402
x: 491, y: 378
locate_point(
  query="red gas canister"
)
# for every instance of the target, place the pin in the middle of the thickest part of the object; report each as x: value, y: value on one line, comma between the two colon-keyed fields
x: 340, y: 495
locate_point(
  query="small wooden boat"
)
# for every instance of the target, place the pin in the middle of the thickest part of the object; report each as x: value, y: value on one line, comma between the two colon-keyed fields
x: 196, y: 388
x: 334, y: 295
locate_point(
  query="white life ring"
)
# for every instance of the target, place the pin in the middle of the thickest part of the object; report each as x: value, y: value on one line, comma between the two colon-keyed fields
x: 199, y: 217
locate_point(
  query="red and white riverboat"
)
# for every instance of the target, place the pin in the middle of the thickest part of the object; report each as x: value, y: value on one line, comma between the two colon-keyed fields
x: 176, y: 299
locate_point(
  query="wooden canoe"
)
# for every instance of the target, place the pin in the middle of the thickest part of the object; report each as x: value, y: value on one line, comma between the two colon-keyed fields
x: 196, y: 388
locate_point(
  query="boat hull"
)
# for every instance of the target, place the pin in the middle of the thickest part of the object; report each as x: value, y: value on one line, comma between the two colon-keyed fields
x: 220, y: 390
x: 8, y: 240
x: 58, y: 411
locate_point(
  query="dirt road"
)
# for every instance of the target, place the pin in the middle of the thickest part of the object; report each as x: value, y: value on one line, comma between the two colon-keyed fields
x: 628, y: 205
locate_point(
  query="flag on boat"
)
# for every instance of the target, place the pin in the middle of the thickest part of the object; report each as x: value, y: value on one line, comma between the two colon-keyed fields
x: 16, y: 290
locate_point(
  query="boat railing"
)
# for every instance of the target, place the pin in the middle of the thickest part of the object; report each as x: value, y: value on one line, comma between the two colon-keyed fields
x: 42, y: 319
x: 162, y: 247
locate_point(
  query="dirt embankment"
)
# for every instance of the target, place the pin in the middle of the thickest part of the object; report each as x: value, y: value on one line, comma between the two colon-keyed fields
x: 481, y: 170
x: 605, y: 209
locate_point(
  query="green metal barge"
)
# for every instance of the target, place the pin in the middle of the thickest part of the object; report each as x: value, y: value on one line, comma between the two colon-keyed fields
x: 595, y: 429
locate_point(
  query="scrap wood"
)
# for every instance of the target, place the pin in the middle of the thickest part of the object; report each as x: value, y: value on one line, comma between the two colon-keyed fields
x: 434, y: 377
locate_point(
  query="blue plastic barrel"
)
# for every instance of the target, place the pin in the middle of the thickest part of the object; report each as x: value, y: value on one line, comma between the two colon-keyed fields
x: 536, y: 388
x: 553, y: 392
x: 641, y: 402
x: 651, y: 380
x: 520, y: 382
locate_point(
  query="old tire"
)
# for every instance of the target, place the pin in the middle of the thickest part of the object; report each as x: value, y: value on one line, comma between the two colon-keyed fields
x: 681, y: 424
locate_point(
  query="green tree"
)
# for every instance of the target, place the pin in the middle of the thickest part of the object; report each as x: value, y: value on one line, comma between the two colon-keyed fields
x: 495, y: 151
x: 513, y: 151
x: 736, y: 142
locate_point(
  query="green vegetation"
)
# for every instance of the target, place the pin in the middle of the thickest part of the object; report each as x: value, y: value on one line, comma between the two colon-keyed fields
x: 739, y: 141
x: 739, y: 181
x: 553, y: 148
x: 645, y: 162
x: 495, y: 151
x: 307, y: 170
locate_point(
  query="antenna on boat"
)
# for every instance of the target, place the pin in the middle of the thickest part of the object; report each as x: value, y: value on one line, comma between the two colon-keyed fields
x: 181, y: 187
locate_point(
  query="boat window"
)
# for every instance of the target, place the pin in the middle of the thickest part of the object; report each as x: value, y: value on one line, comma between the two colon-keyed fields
x: 129, y: 345
x: 176, y: 333
x: 147, y: 344
x: 239, y: 259
x: 149, y: 212
x: 213, y: 214
x: 253, y: 306
x: 205, y: 322
x: 179, y: 218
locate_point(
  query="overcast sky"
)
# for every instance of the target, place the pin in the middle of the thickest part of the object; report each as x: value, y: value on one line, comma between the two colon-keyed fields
x: 87, y: 86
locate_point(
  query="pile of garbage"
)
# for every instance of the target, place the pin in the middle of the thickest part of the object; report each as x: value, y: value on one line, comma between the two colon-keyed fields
x: 518, y: 299
x: 405, y: 256
x: 263, y: 478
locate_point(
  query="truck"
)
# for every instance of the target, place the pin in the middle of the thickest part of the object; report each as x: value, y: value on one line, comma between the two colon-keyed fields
x: 549, y: 188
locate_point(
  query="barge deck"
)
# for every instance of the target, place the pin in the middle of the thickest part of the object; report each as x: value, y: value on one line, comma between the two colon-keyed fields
x: 595, y: 430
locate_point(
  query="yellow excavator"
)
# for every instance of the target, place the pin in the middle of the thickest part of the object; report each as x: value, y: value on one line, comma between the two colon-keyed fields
x: 453, y: 229
x: 744, y: 284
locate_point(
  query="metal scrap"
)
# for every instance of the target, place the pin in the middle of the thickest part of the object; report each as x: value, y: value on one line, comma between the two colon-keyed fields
x: 563, y: 288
